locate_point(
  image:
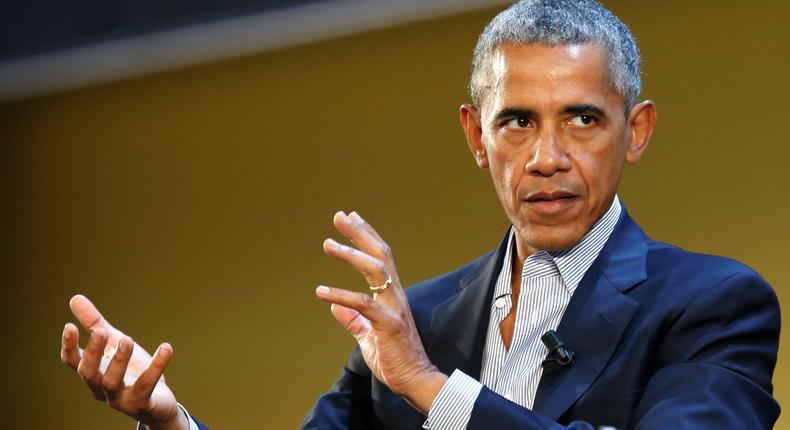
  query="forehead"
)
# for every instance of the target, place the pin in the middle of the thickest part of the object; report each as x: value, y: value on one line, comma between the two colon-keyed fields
x: 541, y: 76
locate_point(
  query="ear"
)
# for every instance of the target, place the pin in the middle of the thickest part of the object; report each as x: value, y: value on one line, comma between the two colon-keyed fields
x: 470, y: 123
x: 642, y: 120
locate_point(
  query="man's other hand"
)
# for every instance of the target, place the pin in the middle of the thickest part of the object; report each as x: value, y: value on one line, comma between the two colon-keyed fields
x: 119, y: 372
x: 383, y: 324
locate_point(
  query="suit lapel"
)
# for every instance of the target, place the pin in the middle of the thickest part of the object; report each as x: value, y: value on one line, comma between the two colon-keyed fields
x: 459, y: 324
x: 596, y: 318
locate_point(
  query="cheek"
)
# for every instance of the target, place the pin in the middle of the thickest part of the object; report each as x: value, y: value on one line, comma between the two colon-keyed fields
x: 600, y: 171
x: 506, y: 173
x: 509, y: 175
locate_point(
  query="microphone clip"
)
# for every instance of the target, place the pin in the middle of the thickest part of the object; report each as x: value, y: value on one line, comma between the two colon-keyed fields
x: 558, y: 353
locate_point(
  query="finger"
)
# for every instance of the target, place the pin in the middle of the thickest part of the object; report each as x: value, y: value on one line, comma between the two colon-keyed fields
x: 355, y: 228
x: 145, y: 383
x: 88, y: 368
x: 374, y: 270
x: 69, y: 346
x: 369, y: 241
x: 360, y: 302
x: 366, y: 226
x: 375, y: 246
x: 87, y: 314
x: 113, y: 380
x: 353, y: 321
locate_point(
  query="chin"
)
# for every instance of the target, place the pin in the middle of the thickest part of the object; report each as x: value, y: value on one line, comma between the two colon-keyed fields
x: 552, y: 238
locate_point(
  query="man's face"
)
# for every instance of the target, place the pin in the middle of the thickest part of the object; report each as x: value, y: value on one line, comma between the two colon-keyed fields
x: 553, y: 132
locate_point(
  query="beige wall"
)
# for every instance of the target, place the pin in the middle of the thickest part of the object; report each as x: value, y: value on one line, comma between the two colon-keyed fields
x: 191, y: 205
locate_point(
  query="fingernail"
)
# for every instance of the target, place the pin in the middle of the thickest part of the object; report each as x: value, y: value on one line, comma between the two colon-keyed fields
x: 166, y: 349
x: 66, y: 333
x: 356, y: 216
x: 322, y: 290
x: 123, y: 345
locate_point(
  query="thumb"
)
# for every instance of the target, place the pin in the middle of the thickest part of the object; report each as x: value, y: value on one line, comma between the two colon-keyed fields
x: 87, y: 314
x: 353, y: 321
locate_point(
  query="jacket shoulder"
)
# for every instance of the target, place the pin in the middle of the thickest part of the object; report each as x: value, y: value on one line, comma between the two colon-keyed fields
x: 684, y: 284
x: 664, y: 259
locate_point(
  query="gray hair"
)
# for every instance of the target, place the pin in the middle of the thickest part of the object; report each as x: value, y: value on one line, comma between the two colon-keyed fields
x: 559, y: 23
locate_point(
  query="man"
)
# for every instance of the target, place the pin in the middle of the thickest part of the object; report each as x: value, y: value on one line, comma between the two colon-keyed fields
x: 654, y: 337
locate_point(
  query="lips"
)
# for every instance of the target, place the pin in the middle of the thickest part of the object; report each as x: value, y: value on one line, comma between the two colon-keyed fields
x: 551, y: 203
x: 549, y: 196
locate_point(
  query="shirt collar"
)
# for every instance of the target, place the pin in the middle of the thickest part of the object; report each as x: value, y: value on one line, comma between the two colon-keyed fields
x: 571, y: 263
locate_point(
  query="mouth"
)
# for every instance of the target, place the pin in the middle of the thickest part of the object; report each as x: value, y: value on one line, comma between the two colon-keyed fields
x: 546, y: 196
x: 551, y: 202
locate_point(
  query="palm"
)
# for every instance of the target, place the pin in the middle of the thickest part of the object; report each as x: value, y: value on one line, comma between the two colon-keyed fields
x: 162, y: 402
x: 382, y: 348
x: 369, y: 347
x: 132, y: 384
x: 373, y: 348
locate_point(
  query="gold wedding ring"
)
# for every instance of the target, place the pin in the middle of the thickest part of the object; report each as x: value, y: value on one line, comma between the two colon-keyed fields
x: 382, y: 287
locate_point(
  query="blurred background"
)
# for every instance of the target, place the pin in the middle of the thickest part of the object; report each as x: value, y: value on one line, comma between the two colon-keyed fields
x: 180, y: 162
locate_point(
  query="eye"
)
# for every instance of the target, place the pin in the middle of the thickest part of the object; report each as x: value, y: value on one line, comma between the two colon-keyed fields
x: 520, y: 122
x: 582, y: 121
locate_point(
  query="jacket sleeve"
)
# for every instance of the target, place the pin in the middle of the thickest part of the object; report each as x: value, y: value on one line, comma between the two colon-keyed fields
x: 714, y: 368
x: 348, y: 404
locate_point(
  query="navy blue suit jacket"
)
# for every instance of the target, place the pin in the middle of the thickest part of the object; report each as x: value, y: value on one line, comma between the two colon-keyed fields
x: 664, y: 339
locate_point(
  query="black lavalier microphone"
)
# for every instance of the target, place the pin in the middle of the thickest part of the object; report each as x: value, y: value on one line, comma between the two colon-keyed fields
x: 558, y: 353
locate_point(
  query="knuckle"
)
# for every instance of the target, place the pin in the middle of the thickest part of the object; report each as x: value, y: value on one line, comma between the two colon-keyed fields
x: 121, y: 356
x: 95, y: 344
x: 144, y: 384
x: 90, y: 380
x: 85, y: 374
x: 113, y: 402
x: 90, y: 377
x: 364, y: 301
x: 110, y: 385
x: 97, y: 322
x: 136, y: 405
x: 381, y: 267
x: 385, y: 250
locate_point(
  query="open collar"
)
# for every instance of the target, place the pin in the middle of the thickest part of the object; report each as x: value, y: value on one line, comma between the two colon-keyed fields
x: 571, y: 263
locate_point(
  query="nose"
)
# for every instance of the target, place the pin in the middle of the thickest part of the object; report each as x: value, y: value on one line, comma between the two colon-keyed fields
x: 548, y: 154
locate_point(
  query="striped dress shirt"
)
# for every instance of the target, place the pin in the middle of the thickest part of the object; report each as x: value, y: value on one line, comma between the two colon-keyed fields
x: 548, y: 280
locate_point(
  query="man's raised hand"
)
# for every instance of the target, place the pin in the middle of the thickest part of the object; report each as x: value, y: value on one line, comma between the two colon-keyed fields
x: 119, y: 372
x: 383, y: 324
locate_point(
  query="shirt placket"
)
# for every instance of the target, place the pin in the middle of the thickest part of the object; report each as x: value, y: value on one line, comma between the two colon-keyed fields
x: 539, y: 316
x: 500, y: 308
x: 516, y: 380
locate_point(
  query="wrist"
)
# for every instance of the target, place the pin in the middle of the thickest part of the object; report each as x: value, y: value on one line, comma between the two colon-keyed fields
x: 423, y: 389
x: 177, y: 421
